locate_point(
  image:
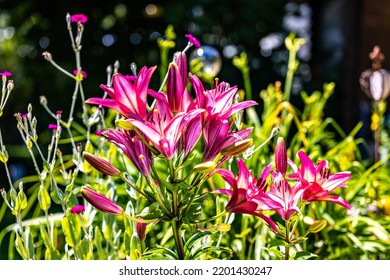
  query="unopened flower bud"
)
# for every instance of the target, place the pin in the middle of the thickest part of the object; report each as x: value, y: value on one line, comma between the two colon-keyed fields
x: 109, y: 69
x: 281, y: 156
x: 101, y: 202
x: 101, y: 165
x: 43, y: 100
x: 10, y: 85
x: 67, y: 18
x: 116, y: 66
x: 205, y: 167
x: 237, y: 148
x: 3, y: 155
x: 47, y: 56
x: 141, y: 230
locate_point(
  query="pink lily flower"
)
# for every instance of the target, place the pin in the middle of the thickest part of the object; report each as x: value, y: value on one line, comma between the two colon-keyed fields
x: 218, y: 100
x: 129, y: 95
x: 247, y: 193
x: 133, y: 147
x: 319, y: 181
x: 217, y: 136
x: 163, y: 130
x: 285, y: 198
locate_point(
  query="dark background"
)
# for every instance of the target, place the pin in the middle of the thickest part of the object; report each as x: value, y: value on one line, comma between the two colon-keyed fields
x: 340, y: 35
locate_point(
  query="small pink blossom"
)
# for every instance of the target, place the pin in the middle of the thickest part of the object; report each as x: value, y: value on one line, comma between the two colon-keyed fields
x: 79, y: 18
x: 58, y: 112
x: 24, y: 116
x: 83, y: 73
x: 54, y: 126
x: 98, y: 132
x: 5, y: 73
x: 193, y: 40
x: 78, y: 209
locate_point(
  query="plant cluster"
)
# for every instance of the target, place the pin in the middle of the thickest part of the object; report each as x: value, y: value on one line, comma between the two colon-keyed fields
x: 192, y: 171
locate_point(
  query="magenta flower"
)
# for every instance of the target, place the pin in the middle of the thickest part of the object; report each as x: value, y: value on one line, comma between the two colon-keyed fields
x: 79, y: 18
x: 53, y: 126
x: 218, y: 100
x: 133, y: 147
x: 163, y: 130
x: 218, y: 136
x: 191, y: 135
x: 58, y: 112
x: 83, y: 73
x: 101, y: 202
x: 129, y: 94
x: 78, y: 209
x: 193, y: 40
x: 247, y: 193
x: 5, y: 74
x: 319, y: 181
x: 285, y: 198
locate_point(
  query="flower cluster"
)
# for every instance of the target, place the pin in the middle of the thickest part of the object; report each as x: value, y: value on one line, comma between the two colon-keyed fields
x: 175, y: 122
x: 286, y: 193
x: 174, y: 126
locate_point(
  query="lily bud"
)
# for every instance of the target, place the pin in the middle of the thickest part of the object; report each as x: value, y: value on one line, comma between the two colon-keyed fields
x: 205, y: 167
x: 141, y: 230
x: 101, y: 202
x: 237, y: 147
x: 101, y: 165
x: 281, y: 156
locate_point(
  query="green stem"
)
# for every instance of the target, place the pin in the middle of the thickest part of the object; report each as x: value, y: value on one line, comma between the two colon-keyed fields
x: 287, y: 247
x: 196, y: 190
x: 160, y: 198
x: 377, y: 133
x: 176, y: 227
x: 140, y: 220
x: 123, y: 177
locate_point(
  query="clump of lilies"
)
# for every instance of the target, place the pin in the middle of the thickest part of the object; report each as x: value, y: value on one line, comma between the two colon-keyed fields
x: 192, y: 131
x: 286, y: 194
